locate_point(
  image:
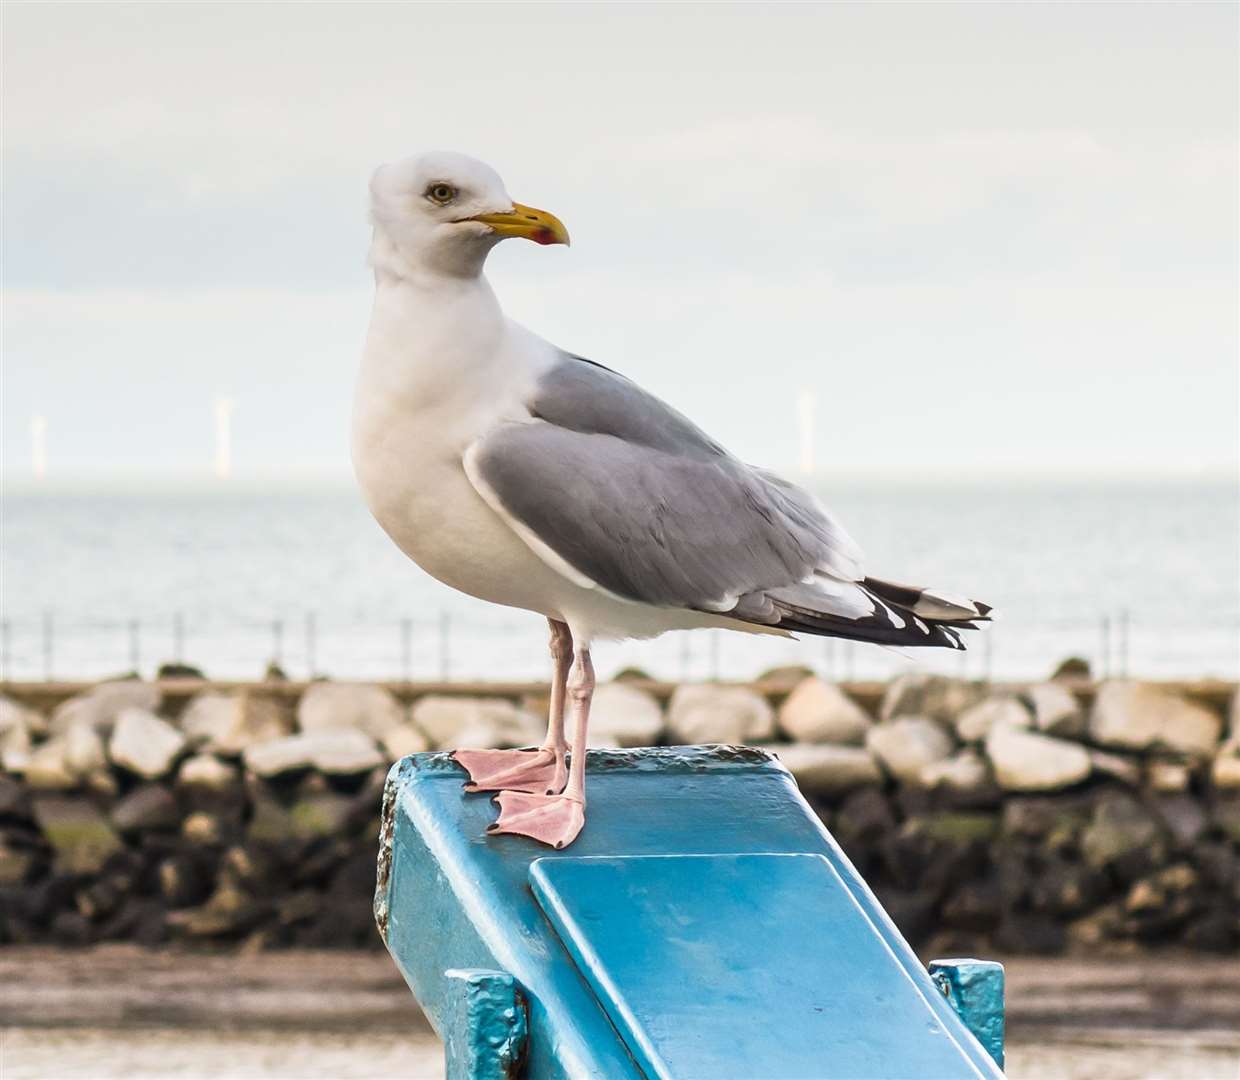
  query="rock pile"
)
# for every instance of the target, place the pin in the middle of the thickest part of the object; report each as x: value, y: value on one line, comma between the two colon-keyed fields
x: 1026, y: 818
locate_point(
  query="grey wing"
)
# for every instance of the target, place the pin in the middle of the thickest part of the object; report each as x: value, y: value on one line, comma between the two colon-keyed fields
x: 635, y: 498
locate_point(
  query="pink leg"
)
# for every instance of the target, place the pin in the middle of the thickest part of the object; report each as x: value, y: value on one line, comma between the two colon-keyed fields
x: 535, y: 771
x: 556, y: 819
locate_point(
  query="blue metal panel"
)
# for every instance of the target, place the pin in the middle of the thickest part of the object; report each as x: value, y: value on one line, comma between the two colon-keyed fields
x: 451, y: 897
x: 486, y: 1027
x: 975, y: 990
x: 744, y: 965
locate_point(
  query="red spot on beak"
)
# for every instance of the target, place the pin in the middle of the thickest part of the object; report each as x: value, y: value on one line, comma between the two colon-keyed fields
x: 543, y: 236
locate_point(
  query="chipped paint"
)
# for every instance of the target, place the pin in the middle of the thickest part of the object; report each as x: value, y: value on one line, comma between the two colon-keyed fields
x: 975, y: 990
x: 387, y: 828
x: 487, y: 1029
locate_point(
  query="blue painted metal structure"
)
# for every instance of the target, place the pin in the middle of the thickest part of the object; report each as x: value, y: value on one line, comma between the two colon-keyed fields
x: 704, y: 924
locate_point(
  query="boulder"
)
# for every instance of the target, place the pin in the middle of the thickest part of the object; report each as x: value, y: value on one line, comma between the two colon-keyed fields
x: 975, y: 722
x: 18, y: 726
x: 45, y: 768
x: 484, y: 723
x: 206, y: 772
x: 143, y: 744
x: 326, y: 706
x: 228, y: 723
x: 820, y: 712
x: 826, y: 769
x: 907, y: 744
x: 933, y: 696
x: 1124, y: 835
x: 1168, y: 777
x: 626, y: 715
x: 344, y: 752
x: 1028, y: 761
x: 1184, y: 818
x: 84, y: 753
x: 1142, y: 716
x: 709, y: 713
x: 1225, y: 769
x: 402, y: 740
x: 964, y: 773
x: 1124, y: 769
x: 78, y: 833
x: 150, y: 806
x: 100, y: 707
x: 1055, y: 709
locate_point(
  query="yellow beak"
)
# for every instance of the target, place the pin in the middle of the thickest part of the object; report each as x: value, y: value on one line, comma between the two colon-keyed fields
x: 537, y: 225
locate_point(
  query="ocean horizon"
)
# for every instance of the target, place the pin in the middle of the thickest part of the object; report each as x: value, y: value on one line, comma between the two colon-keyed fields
x: 104, y: 575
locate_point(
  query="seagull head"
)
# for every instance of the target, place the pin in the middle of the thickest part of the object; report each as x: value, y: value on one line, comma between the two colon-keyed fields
x: 444, y: 212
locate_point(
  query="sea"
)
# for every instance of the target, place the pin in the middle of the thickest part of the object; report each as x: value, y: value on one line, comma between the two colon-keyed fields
x: 1138, y: 579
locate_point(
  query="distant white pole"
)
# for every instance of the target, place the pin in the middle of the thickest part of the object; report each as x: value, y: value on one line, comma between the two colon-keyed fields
x: 223, y: 437
x: 807, y: 404
x: 38, y: 445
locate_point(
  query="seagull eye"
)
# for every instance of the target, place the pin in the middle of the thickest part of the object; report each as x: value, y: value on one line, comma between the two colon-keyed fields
x: 441, y: 193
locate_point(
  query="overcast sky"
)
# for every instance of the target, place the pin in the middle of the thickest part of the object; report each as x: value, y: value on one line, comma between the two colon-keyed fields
x: 988, y: 237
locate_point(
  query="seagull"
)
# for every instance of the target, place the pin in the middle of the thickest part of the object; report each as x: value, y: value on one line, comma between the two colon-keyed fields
x: 527, y: 476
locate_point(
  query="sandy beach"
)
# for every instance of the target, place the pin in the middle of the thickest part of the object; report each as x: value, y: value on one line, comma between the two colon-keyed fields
x: 118, y: 1011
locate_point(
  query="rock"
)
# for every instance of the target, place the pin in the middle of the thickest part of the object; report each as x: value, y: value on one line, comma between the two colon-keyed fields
x: 933, y: 696
x: 150, y: 806
x: 1184, y: 818
x: 403, y: 740
x: 1225, y: 769
x: 343, y: 752
x: 228, y: 912
x: 174, y: 669
x: 16, y: 864
x: 1213, y: 931
x: 1123, y: 835
x: 1027, y: 932
x: 320, y: 815
x: 1168, y: 777
x: 824, y: 769
x: 974, y: 905
x: 1041, y: 817
x: 14, y: 801
x: 1067, y: 889
x: 203, y: 829
x: 183, y: 881
x: 484, y: 723
x: 46, y: 769
x: 1074, y: 667
x: 83, y: 750
x: 1226, y: 816
x: 907, y: 744
x: 206, y: 772
x: 820, y: 712
x: 1142, y: 716
x: 1055, y: 709
x: 18, y: 726
x: 709, y: 713
x: 101, y: 706
x: 78, y: 833
x: 1027, y: 761
x: 912, y: 912
x: 326, y: 706
x: 625, y: 714
x: 864, y: 818
x: 144, y: 744
x: 1125, y: 770
x: 228, y: 723
x: 964, y: 773
x: 975, y: 722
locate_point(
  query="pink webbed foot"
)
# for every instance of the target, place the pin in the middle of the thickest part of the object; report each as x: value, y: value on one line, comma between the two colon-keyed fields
x: 531, y: 771
x: 554, y: 820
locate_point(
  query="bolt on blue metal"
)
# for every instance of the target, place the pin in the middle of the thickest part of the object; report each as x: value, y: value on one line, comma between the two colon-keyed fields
x: 975, y: 990
x: 703, y: 924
